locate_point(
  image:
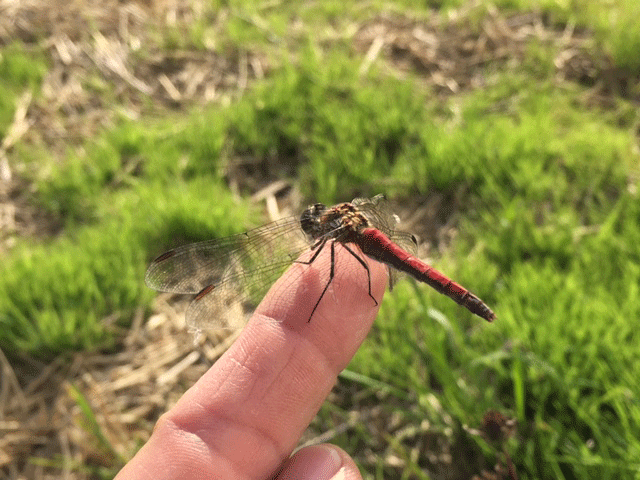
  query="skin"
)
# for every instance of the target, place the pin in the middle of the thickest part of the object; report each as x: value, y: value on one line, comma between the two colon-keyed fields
x: 245, y: 416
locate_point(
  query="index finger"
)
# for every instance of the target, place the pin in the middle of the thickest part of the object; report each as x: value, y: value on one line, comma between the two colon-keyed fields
x: 246, y: 414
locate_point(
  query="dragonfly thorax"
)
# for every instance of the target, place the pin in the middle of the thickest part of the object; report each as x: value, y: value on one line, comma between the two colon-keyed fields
x: 340, y: 222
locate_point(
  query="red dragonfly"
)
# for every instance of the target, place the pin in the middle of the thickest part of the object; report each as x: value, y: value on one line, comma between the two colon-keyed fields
x: 226, y: 273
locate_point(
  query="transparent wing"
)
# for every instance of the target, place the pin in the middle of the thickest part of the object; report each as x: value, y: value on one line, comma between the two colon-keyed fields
x: 228, y: 274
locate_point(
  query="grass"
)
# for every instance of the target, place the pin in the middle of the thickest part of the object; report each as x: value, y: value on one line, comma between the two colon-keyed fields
x: 612, y: 21
x: 556, y: 248
x: 544, y: 196
x: 20, y: 71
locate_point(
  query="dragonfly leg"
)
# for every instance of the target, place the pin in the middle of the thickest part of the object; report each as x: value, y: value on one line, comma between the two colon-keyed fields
x: 331, y: 273
x: 318, y: 246
x: 366, y: 267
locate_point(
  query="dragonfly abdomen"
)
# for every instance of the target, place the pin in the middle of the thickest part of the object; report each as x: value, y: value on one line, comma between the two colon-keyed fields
x: 378, y: 246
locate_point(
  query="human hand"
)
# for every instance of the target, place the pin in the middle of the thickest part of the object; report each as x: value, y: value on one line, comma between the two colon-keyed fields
x: 244, y: 417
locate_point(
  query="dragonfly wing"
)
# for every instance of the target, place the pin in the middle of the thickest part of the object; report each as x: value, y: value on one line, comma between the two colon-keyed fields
x: 378, y: 212
x: 227, y: 273
x: 190, y: 268
x: 226, y: 303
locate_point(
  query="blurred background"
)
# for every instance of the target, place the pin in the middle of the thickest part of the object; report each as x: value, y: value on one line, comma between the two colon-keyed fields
x: 505, y: 134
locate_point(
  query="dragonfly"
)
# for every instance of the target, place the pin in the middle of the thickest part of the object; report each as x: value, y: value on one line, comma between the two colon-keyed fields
x: 229, y: 275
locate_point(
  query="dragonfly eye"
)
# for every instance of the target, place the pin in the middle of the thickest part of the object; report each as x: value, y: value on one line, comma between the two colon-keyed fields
x: 310, y: 218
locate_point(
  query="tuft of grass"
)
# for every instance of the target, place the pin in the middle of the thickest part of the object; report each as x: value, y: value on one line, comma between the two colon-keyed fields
x: 614, y: 23
x: 337, y: 131
x: 616, y: 28
x: 132, y: 196
x: 20, y: 71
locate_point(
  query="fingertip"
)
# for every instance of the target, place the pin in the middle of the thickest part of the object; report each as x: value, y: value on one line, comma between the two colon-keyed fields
x: 319, y: 462
x: 306, y: 293
x: 345, y: 305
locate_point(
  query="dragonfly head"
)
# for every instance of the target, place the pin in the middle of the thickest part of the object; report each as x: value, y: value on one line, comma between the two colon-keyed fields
x: 310, y: 219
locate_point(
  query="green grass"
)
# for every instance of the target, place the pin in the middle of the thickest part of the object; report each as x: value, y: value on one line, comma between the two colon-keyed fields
x: 20, y: 72
x: 548, y: 234
x: 554, y: 245
x: 613, y: 22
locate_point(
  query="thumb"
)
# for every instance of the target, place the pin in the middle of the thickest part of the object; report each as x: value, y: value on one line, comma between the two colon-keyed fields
x: 319, y: 462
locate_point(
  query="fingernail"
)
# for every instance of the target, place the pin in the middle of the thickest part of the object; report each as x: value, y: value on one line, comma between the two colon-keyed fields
x: 326, y: 464
x: 340, y: 475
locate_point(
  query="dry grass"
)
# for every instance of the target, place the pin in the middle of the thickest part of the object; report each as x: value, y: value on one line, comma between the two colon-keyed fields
x: 446, y: 53
x: 42, y: 414
x: 105, y: 54
x: 95, y: 47
x: 105, y: 61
